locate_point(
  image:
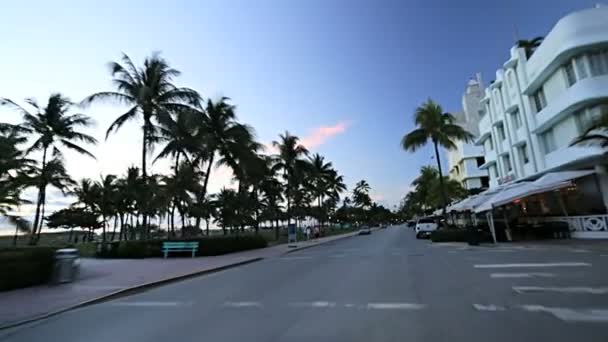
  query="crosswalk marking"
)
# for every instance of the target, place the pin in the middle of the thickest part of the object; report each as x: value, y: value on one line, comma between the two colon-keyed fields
x: 548, y: 264
x: 522, y: 275
x: 571, y: 315
x: 570, y: 289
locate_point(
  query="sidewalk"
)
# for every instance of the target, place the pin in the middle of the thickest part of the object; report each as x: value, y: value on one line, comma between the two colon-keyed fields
x: 101, y: 278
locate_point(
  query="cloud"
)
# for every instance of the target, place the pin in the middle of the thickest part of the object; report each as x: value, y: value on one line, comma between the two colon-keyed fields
x: 320, y: 135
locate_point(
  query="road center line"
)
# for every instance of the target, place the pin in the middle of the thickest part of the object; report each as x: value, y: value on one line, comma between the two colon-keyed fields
x: 522, y: 275
x: 316, y: 304
x: 395, y: 306
x: 572, y: 289
x: 571, y: 315
x: 243, y: 304
x: 491, y: 307
x: 548, y: 264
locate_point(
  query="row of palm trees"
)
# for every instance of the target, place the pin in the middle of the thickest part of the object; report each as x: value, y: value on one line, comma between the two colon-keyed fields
x: 196, y: 135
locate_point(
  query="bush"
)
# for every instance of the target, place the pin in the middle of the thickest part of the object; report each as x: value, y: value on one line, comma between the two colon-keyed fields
x: 24, y: 267
x: 207, y: 246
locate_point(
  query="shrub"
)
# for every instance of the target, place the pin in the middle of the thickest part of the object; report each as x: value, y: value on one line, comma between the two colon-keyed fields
x: 207, y: 246
x: 24, y: 267
x: 449, y: 235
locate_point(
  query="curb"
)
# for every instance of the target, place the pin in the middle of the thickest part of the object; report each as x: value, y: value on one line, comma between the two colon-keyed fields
x: 321, y: 243
x: 127, y: 291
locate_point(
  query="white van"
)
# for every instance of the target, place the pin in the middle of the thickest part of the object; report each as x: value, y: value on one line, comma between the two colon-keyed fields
x: 424, y: 227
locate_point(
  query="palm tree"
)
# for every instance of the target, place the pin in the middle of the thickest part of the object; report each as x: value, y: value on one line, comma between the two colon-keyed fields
x: 529, y: 45
x: 320, y: 172
x: 150, y: 94
x: 52, y: 127
x: 289, y: 161
x: 55, y: 175
x: 435, y: 125
x: 596, y: 132
x: 361, y: 194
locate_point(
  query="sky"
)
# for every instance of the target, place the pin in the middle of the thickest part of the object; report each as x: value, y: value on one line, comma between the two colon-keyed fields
x: 344, y: 76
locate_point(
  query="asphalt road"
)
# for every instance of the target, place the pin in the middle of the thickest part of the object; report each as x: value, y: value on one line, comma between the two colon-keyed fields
x: 384, y: 287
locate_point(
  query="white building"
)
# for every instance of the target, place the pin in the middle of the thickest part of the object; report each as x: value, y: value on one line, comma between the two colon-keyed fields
x: 538, y: 104
x: 465, y: 160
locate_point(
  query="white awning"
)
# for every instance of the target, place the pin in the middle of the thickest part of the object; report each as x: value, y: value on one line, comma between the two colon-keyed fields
x: 550, y: 181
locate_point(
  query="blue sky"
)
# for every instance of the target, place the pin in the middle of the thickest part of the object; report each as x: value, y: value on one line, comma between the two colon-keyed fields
x: 356, y: 68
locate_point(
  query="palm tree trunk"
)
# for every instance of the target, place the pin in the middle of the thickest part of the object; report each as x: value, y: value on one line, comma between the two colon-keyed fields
x: 40, y: 190
x: 204, y: 190
x: 144, y: 152
x: 122, y: 226
x: 42, y: 214
x: 276, y: 230
x: 207, y: 223
x: 441, y: 185
x: 103, y: 230
x: 16, y: 235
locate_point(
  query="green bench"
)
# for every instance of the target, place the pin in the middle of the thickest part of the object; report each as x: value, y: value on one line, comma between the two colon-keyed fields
x: 180, y: 247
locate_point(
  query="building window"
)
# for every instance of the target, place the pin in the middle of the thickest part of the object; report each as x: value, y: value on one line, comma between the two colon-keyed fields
x: 485, y: 182
x: 598, y: 62
x: 506, y: 160
x: 480, y: 161
x: 581, y: 67
x: 548, y: 141
x: 539, y: 100
x: 523, y: 153
x: 516, y: 119
x: 501, y: 132
x: 569, y: 72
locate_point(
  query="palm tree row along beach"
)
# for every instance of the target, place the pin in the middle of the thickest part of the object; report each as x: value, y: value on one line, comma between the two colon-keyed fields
x: 196, y: 135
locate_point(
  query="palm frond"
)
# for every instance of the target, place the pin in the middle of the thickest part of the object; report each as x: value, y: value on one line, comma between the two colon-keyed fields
x: 76, y: 148
x: 130, y: 114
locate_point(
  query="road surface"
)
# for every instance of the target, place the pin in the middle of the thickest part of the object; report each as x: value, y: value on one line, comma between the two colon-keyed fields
x: 384, y: 287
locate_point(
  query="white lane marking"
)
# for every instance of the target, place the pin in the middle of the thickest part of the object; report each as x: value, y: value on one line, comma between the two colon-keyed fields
x: 571, y: 315
x: 491, y: 307
x: 547, y: 264
x: 296, y: 258
x: 522, y: 275
x: 337, y: 256
x: 395, y: 306
x: 349, y: 305
x: 579, y: 250
x: 571, y: 289
x: 316, y: 304
x: 243, y: 304
x: 152, y: 304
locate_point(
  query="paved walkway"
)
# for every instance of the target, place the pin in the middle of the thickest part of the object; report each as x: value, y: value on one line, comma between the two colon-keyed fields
x: 103, y: 277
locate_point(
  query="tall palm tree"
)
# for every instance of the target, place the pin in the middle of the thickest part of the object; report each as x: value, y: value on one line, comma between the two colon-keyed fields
x: 361, y: 196
x: 14, y: 169
x: 320, y: 171
x: 52, y: 127
x: 221, y: 135
x: 54, y: 175
x: 149, y: 93
x: 289, y: 160
x: 438, y: 127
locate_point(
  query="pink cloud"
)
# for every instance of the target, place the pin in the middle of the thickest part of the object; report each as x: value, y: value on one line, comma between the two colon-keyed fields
x: 320, y: 135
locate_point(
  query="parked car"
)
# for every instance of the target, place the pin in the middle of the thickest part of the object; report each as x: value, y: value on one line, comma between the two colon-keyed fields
x: 365, y: 230
x: 424, y: 227
x: 410, y: 224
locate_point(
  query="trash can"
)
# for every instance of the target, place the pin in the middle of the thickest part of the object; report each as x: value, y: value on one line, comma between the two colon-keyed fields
x: 67, y: 265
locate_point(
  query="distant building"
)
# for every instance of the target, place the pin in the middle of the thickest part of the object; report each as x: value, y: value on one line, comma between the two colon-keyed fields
x: 465, y: 160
